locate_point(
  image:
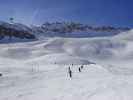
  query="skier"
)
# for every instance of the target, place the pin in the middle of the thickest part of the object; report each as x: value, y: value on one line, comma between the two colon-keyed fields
x: 79, y: 69
x: 0, y: 74
x: 70, y: 72
x: 82, y: 67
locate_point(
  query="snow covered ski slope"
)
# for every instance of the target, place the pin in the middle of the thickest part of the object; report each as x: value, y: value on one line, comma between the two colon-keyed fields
x: 38, y: 70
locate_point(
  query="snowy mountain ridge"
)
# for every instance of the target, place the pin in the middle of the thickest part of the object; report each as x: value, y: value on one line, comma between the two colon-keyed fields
x: 71, y: 29
x: 57, y: 29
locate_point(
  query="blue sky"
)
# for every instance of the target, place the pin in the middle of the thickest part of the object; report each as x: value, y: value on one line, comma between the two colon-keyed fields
x: 93, y: 12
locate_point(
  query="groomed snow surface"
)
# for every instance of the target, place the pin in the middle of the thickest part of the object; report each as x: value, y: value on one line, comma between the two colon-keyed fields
x: 38, y: 70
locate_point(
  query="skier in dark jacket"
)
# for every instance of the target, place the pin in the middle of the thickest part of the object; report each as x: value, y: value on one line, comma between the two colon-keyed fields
x: 79, y: 69
x: 70, y: 72
x: 0, y: 74
x: 82, y: 67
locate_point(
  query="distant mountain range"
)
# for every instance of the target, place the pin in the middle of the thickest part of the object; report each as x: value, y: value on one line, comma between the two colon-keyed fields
x: 74, y: 27
x: 58, y: 29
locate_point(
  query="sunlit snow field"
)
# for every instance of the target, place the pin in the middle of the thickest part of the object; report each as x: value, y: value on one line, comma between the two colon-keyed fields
x: 38, y: 70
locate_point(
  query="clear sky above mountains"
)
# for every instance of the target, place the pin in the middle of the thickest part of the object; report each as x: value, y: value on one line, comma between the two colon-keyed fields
x: 93, y: 12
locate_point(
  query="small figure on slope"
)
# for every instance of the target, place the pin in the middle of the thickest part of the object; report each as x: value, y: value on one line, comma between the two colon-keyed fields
x: 0, y: 74
x: 79, y: 69
x: 70, y: 72
x: 82, y: 67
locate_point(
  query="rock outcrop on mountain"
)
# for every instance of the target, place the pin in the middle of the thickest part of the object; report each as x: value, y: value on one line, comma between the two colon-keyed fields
x: 15, y: 31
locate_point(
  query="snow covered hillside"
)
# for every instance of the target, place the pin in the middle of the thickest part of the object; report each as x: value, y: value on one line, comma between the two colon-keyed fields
x: 38, y: 70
